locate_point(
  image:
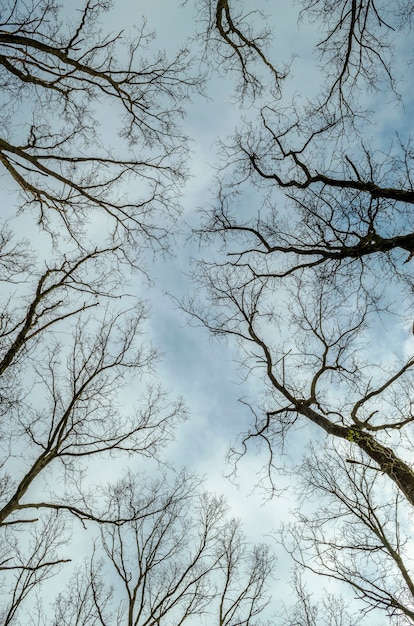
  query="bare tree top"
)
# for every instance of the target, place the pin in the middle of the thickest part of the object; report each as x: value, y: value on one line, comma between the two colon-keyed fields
x: 100, y: 115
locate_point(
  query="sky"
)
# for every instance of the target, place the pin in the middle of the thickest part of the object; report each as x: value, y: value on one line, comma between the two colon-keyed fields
x: 201, y: 370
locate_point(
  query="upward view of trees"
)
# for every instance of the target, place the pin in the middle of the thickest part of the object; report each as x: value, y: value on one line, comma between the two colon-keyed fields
x: 64, y: 165
x: 316, y: 273
x: 77, y: 373
x: 313, y: 286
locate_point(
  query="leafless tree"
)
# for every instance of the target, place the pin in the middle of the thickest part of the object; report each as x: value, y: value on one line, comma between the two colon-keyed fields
x: 64, y: 407
x: 65, y: 363
x: 353, y: 534
x: 28, y: 561
x: 177, y: 559
x: 58, y: 77
x: 330, y: 610
x: 72, y: 351
x: 232, y: 44
x: 313, y: 277
x: 325, y: 262
x: 243, y: 577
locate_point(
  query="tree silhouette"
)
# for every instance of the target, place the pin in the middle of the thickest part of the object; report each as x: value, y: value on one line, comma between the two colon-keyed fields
x: 72, y: 339
x: 65, y: 159
x: 178, y: 557
x: 316, y: 272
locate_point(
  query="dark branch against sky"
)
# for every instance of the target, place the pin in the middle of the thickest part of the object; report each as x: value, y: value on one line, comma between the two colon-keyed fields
x: 245, y: 175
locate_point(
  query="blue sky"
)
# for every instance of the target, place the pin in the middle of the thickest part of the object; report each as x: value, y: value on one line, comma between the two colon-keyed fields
x: 202, y: 371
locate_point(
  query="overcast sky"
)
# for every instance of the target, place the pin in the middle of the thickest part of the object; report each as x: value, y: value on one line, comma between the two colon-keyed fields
x: 202, y: 371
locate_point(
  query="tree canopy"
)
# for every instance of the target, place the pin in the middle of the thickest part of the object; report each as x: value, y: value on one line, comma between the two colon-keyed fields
x: 315, y: 272
x: 305, y: 267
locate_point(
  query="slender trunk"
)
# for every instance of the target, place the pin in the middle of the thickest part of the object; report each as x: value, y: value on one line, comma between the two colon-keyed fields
x: 13, y: 504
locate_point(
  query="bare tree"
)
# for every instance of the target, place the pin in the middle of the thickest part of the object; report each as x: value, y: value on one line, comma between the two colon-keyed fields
x: 310, y: 279
x: 59, y: 77
x: 354, y: 534
x: 323, y: 262
x: 330, y: 610
x: 26, y: 562
x: 232, y: 44
x: 76, y: 375
x: 243, y: 578
x: 65, y: 364
x: 61, y: 395
x: 177, y: 559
